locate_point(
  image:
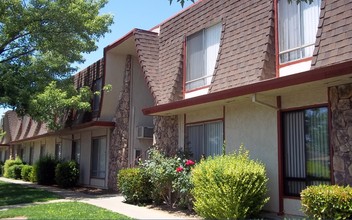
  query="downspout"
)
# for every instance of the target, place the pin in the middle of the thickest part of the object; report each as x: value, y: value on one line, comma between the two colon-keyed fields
x: 254, y: 100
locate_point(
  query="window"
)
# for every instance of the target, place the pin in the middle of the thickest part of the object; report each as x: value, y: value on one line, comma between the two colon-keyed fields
x: 298, y: 25
x: 58, y: 151
x: 31, y: 154
x: 97, y: 87
x: 202, y: 51
x: 306, y: 149
x: 76, y: 151
x: 98, y: 157
x: 205, y: 139
x: 42, y: 150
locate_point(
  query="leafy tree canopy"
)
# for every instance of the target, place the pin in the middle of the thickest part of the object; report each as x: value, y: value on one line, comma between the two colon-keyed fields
x: 39, y: 41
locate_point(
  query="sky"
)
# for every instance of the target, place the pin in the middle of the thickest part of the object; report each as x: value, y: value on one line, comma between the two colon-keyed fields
x: 130, y: 14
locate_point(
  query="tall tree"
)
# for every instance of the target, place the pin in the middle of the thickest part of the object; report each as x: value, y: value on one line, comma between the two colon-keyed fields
x: 39, y: 41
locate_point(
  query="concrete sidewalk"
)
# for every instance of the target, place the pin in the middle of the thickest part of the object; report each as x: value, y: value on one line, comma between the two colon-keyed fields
x: 113, y: 202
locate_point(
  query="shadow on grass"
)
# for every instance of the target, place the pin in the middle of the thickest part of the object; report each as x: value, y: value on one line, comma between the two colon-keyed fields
x: 12, y: 194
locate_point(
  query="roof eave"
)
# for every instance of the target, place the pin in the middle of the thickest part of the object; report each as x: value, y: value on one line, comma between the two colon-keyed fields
x: 313, y: 75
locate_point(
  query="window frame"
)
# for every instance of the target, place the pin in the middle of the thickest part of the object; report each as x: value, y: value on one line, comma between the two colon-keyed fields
x: 204, y: 48
x: 307, y: 178
x: 203, y: 123
x: 92, y: 172
x: 299, y: 48
x: 96, y: 101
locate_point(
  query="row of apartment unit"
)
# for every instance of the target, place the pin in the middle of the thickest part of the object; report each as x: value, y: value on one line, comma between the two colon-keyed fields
x: 273, y: 76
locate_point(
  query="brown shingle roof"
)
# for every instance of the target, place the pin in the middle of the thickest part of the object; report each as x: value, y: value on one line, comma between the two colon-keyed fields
x: 334, y: 37
x: 246, y: 49
x: 18, y: 128
x: 87, y: 76
x: 147, y: 48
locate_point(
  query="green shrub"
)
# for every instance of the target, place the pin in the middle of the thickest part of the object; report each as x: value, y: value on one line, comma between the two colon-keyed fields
x: 45, y: 170
x: 26, y: 172
x: 327, y: 202
x: 14, y: 172
x: 161, y: 171
x: 33, y: 174
x: 67, y: 174
x: 9, y: 163
x: 134, y: 185
x: 229, y: 187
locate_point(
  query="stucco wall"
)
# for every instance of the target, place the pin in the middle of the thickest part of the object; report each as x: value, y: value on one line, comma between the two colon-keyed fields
x: 115, y: 65
x: 140, y: 98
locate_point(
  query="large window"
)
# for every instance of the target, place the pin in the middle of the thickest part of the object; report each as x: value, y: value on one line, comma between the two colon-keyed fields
x: 298, y: 25
x: 76, y: 151
x: 202, y: 51
x: 205, y: 139
x: 31, y: 154
x: 58, y: 151
x: 97, y: 87
x: 306, y: 149
x: 42, y: 150
x: 98, y: 169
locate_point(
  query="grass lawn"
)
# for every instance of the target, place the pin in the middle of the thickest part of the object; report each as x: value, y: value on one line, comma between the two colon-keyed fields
x: 12, y: 194
x: 62, y: 210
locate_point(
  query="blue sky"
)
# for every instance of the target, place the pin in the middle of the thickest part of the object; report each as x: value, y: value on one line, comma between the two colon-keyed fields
x: 129, y: 14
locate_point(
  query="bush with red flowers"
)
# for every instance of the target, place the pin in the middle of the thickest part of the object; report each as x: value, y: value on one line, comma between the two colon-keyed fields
x: 170, y: 177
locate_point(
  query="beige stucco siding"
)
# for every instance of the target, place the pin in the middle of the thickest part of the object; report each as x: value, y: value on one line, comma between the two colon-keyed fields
x: 304, y: 97
x: 206, y: 114
x: 140, y: 98
x: 255, y: 127
x: 115, y: 66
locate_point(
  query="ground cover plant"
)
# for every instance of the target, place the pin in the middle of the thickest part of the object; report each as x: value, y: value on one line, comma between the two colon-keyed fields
x: 62, y: 210
x: 12, y: 194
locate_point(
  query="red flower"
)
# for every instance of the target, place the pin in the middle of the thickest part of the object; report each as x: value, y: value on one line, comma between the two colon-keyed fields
x: 179, y: 169
x: 189, y: 163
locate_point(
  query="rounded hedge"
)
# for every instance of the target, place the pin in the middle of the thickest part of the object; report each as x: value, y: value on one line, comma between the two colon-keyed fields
x: 67, y: 174
x: 134, y: 185
x: 9, y: 173
x: 26, y: 172
x: 229, y: 187
x: 45, y: 170
x: 327, y: 202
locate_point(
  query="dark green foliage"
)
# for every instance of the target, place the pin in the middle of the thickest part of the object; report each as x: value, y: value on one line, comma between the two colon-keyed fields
x: 134, y: 185
x: 67, y: 174
x: 327, y: 202
x: 26, y: 172
x: 1, y: 168
x: 45, y: 170
x: 14, y: 172
x: 33, y: 174
x: 10, y: 172
x: 229, y: 187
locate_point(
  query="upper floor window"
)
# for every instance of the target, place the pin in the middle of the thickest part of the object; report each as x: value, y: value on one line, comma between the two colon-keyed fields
x: 202, y: 51
x: 298, y: 25
x: 97, y: 87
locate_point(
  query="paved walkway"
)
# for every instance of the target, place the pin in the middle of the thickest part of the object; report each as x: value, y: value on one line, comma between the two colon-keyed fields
x: 113, y: 202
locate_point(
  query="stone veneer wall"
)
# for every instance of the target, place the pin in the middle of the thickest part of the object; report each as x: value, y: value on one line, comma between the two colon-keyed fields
x: 341, y: 132
x: 118, y: 151
x: 166, y: 134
